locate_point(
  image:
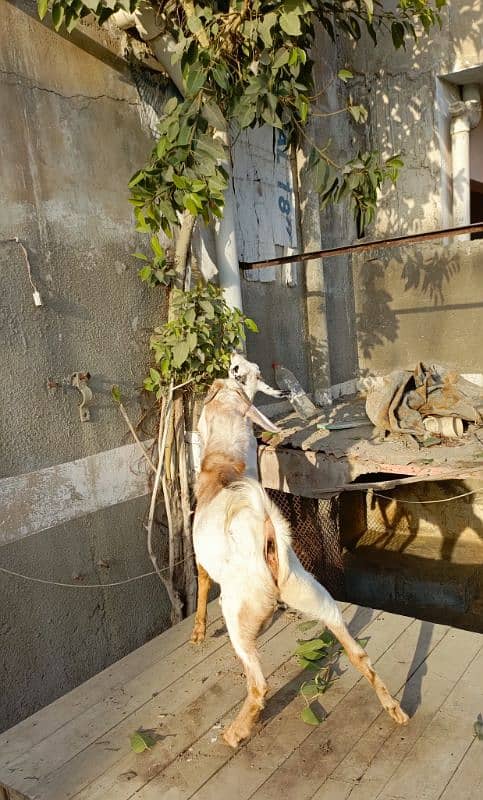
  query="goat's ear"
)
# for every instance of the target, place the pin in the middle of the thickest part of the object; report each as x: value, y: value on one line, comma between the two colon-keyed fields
x: 260, y: 419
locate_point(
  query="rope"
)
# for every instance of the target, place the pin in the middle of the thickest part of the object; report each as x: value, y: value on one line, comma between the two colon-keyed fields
x: 424, y: 502
x: 89, y: 585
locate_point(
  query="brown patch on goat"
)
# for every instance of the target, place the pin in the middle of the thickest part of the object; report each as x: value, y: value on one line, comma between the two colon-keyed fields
x: 218, y: 470
x: 271, y: 552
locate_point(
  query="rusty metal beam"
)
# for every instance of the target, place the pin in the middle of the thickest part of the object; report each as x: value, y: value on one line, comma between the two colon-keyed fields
x: 475, y: 227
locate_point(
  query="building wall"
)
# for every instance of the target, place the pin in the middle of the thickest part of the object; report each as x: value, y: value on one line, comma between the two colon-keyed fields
x: 392, y: 308
x: 70, y: 136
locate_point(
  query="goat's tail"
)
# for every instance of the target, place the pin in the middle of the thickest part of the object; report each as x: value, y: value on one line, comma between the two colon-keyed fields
x: 297, y: 587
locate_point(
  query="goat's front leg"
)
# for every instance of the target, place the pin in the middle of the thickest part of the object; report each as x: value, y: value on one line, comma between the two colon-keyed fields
x: 204, y: 583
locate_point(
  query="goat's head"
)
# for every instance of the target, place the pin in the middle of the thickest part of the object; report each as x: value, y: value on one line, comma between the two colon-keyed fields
x: 248, y: 376
x: 227, y: 397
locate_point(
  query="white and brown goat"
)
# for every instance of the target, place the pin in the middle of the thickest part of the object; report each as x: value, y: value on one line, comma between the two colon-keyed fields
x: 242, y: 542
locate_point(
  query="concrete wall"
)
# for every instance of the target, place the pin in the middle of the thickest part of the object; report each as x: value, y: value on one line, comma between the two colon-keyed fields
x: 419, y: 302
x: 70, y: 137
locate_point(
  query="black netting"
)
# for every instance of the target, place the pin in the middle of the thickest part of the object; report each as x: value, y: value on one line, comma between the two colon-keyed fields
x: 315, y: 536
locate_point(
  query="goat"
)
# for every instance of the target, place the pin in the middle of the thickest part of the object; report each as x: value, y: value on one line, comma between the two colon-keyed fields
x: 242, y: 542
x: 247, y: 375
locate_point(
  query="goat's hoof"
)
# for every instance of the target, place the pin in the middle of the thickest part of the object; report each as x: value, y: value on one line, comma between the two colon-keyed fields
x: 233, y: 735
x: 198, y: 634
x: 398, y: 714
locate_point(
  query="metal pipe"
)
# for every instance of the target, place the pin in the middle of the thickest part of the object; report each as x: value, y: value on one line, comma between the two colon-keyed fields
x: 476, y: 227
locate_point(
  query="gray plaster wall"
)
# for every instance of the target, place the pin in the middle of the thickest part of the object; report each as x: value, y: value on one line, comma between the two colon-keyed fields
x: 280, y: 313
x: 391, y: 308
x: 70, y: 137
x: 420, y: 303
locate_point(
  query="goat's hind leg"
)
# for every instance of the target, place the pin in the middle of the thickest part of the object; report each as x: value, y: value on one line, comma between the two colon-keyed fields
x: 361, y: 661
x: 244, y: 621
x: 301, y: 591
x: 204, y: 583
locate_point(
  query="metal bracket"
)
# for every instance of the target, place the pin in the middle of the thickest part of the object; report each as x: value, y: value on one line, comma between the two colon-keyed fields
x: 79, y: 380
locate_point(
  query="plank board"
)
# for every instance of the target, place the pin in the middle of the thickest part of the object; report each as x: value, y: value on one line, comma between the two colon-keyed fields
x: 78, y: 747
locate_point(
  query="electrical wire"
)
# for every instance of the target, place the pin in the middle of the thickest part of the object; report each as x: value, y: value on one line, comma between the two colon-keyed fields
x: 89, y: 585
x: 425, y: 502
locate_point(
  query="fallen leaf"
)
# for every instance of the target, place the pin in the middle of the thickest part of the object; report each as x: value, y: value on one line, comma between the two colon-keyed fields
x: 310, y: 717
x: 141, y: 741
x: 478, y: 727
x: 306, y: 626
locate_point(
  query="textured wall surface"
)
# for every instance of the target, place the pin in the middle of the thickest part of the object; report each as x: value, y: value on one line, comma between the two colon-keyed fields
x: 419, y: 301
x: 70, y: 137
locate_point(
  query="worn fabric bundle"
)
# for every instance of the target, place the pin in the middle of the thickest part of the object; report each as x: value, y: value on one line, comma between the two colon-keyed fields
x: 401, y: 401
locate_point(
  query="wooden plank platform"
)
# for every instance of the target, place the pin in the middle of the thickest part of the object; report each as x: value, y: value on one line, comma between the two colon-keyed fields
x: 78, y: 747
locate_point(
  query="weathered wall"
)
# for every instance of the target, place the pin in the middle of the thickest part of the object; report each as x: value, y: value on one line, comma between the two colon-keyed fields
x: 420, y: 301
x: 70, y: 138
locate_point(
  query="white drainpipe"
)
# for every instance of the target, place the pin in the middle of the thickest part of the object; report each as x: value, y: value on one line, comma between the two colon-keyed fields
x: 146, y: 23
x: 466, y: 115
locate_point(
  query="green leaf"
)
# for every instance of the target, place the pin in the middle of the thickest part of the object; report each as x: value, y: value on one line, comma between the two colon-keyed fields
x: 141, y: 741
x: 116, y: 394
x: 57, y: 15
x: 220, y: 75
x: 195, y: 80
x: 180, y: 354
x: 311, y: 646
x: 309, y: 690
x: 190, y: 316
x: 137, y: 177
x: 309, y: 716
x: 155, y: 376
x: 194, y: 24
x: 251, y: 325
x: 156, y: 247
x: 42, y: 8
x: 290, y: 23
x: 397, y: 33
x: 306, y: 626
x: 170, y: 106
x: 369, y: 4
x: 281, y: 58
x: 345, y: 75
x: 192, y: 340
x: 478, y: 727
x: 207, y: 308
x: 265, y: 28
x: 141, y: 256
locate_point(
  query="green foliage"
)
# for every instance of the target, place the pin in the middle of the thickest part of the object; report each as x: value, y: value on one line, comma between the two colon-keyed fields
x: 156, y: 271
x: 183, y: 173
x: 195, y: 346
x: 70, y: 12
x: 359, y: 180
x: 319, y: 655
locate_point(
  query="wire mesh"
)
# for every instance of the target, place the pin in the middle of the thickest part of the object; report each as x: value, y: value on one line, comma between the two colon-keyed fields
x: 315, y: 536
